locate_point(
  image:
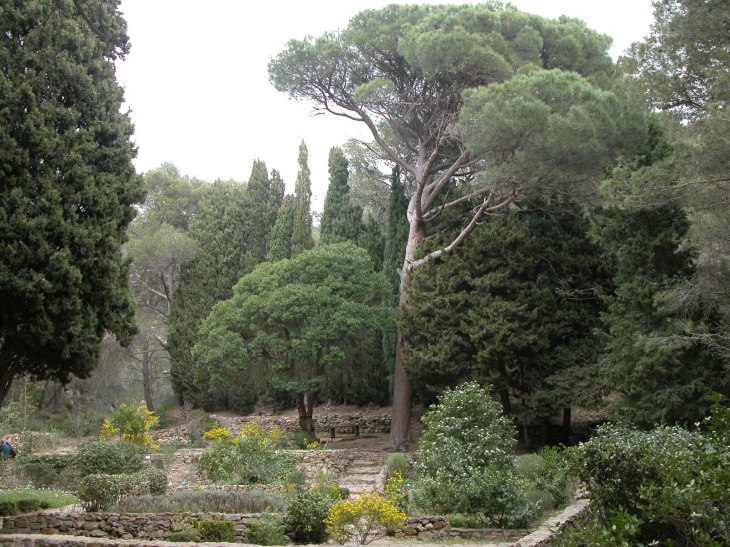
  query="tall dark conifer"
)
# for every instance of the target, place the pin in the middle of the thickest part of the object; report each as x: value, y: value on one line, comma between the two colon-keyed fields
x: 301, y: 237
x: 341, y: 218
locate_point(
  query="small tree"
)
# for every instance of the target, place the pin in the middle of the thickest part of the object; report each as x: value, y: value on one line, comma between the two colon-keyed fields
x: 466, y: 463
x: 132, y: 425
x: 293, y: 321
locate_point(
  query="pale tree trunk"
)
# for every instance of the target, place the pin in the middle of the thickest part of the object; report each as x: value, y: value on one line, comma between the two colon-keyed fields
x: 400, y: 425
x: 75, y: 388
x: 147, y: 375
x: 305, y: 407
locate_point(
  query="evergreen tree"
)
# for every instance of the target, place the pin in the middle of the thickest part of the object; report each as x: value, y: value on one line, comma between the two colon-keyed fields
x: 281, y: 233
x: 301, y: 238
x: 264, y: 198
x: 664, y: 378
x: 232, y: 230
x: 395, y: 249
x: 67, y: 190
x: 372, y: 240
x: 341, y: 218
x: 516, y: 306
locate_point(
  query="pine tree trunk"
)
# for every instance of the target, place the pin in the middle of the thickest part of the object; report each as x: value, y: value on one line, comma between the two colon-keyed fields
x: 147, y: 376
x: 566, y: 425
x: 400, y: 425
x: 6, y: 378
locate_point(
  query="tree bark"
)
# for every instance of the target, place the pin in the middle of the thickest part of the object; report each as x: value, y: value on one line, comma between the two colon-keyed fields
x: 305, y: 406
x: 147, y: 375
x: 566, y: 425
x: 504, y: 397
x: 6, y: 378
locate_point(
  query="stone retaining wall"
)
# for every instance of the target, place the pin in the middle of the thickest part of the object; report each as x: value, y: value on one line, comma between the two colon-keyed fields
x: 379, y: 423
x: 16, y: 531
x: 111, y: 525
x: 438, y: 527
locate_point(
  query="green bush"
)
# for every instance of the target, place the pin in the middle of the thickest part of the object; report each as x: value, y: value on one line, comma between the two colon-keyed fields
x: 671, y: 483
x: 8, y: 508
x: 255, y: 457
x: 216, y: 530
x: 266, y: 531
x: 188, y: 535
x: 547, y: 477
x: 108, y: 458
x: 306, y: 513
x: 58, y: 462
x: 466, y: 464
x: 99, y: 492
x: 40, y: 474
x: 202, y: 501
x: 397, y: 462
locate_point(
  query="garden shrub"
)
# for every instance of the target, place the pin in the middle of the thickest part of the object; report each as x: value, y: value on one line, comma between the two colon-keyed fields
x: 40, y: 474
x: 266, y: 531
x: 466, y: 464
x: 363, y: 519
x: 108, y: 458
x: 131, y: 425
x: 216, y: 530
x: 396, y: 462
x: 306, y: 513
x: 547, y: 477
x: 670, y: 481
x: 8, y: 508
x: 99, y: 492
x: 191, y: 535
x: 202, y: 501
x: 254, y: 457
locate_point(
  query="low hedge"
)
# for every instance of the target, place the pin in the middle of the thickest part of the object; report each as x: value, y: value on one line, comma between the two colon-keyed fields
x: 98, y: 492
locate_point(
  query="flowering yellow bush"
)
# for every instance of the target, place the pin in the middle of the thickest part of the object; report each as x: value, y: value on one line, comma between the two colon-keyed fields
x: 395, y: 490
x: 218, y: 432
x: 254, y: 432
x: 131, y: 425
x: 363, y: 519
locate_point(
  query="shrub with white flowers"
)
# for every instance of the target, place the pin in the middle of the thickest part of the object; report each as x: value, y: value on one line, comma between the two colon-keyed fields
x: 466, y: 463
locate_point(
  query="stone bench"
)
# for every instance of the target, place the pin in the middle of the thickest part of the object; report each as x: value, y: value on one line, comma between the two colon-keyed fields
x: 354, y: 427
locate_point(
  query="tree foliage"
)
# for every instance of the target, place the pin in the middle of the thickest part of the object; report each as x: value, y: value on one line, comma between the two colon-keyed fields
x: 403, y: 72
x: 67, y: 191
x: 341, y: 218
x: 664, y: 378
x: 516, y: 306
x: 295, y: 320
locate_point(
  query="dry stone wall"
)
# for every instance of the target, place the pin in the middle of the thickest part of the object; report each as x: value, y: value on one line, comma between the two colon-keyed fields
x: 377, y: 423
x: 110, y: 525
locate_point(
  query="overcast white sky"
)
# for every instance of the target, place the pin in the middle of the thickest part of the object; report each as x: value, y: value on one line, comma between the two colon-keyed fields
x: 197, y: 83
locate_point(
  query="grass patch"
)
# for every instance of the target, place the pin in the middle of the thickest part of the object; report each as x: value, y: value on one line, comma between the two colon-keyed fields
x: 43, y: 499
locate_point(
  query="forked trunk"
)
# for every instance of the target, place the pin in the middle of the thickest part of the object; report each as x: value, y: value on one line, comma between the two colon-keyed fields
x: 305, y: 407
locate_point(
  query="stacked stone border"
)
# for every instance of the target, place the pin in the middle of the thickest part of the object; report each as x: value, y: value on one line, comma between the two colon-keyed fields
x: 58, y: 529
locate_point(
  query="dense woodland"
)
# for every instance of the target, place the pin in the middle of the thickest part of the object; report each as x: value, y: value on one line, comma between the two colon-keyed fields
x: 529, y: 215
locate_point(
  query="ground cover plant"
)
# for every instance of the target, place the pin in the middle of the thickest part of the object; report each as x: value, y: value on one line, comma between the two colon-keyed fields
x: 203, y: 501
x: 25, y: 500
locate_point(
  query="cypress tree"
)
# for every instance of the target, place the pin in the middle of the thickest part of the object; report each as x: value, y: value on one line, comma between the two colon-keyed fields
x: 395, y: 250
x: 301, y: 237
x: 232, y: 229
x: 663, y: 375
x: 372, y: 240
x: 67, y: 191
x: 341, y: 218
x: 281, y: 234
